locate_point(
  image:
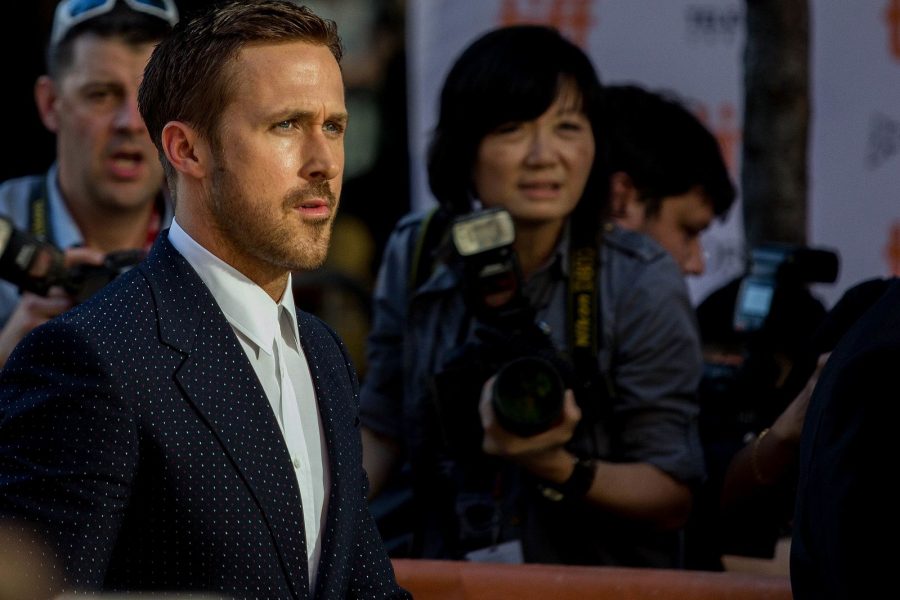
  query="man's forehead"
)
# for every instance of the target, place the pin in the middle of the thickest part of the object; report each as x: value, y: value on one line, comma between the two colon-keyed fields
x: 259, y: 53
x: 309, y: 71
x: 693, y: 208
x: 112, y: 56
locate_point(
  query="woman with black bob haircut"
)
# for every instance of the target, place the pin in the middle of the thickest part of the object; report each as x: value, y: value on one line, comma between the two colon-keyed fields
x: 508, y: 75
x: 607, y: 479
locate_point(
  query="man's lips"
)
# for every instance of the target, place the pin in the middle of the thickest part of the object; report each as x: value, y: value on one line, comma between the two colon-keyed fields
x: 313, y: 203
x: 314, y: 208
x: 126, y: 165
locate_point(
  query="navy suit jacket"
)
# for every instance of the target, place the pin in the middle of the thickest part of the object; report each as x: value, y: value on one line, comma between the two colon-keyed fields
x: 846, y: 530
x: 134, y: 434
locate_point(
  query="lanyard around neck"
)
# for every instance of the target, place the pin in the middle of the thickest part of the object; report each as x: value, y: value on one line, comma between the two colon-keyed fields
x: 39, y: 215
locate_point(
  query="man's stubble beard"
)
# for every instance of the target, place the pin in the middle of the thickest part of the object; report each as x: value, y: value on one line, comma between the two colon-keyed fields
x: 252, y: 231
x: 112, y: 199
x: 110, y: 196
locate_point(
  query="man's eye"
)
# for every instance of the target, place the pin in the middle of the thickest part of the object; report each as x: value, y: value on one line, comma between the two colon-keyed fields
x: 98, y: 95
x: 334, y: 127
x: 284, y: 124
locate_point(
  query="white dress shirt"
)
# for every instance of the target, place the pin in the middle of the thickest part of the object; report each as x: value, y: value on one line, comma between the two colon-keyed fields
x: 268, y: 334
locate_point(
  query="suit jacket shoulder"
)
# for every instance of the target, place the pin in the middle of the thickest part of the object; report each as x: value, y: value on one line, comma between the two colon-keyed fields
x: 846, y: 505
x: 136, y: 437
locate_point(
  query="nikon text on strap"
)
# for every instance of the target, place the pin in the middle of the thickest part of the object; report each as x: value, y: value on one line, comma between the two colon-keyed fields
x: 583, y: 310
x: 38, y: 213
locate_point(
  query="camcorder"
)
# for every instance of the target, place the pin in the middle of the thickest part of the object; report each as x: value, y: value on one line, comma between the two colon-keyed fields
x: 531, y: 374
x: 773, y: 317
x: 775, y: 267
x: 36, y: 266
x: 762, y: 330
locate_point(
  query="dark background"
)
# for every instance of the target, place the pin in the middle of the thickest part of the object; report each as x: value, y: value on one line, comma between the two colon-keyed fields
x: 27, y: 147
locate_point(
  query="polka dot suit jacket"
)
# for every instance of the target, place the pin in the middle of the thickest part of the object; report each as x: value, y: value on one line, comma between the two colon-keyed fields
x: 136, y: 438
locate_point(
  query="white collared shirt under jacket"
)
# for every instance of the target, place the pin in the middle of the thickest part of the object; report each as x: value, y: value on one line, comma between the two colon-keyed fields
x: 268, y: 334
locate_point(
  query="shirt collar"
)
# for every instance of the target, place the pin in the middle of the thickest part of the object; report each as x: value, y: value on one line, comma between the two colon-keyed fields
x: 247, y: 306
x: 558, y: 262
x: 65, y: 232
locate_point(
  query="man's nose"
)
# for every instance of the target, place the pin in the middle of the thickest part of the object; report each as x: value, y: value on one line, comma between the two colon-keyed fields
x: 321, y: 160
x: 695, y: 262
x: 128, y: 116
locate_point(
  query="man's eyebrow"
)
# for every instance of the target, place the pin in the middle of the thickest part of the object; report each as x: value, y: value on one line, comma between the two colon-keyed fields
x: 341, y: 117
x: 309, y: 115
x: 100, y: 82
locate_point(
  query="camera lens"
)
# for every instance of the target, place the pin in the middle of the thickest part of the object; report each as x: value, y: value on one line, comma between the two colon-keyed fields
x: 528, y: 396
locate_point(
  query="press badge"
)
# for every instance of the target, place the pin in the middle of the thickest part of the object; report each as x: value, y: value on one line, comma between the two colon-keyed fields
x: 508, y: 552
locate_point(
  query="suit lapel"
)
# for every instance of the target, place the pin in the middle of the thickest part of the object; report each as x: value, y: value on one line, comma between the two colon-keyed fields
x: 334, y: 388
x: 217, y: 379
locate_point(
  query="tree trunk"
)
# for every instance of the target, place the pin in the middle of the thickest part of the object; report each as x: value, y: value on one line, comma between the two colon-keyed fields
x: 776, y: 121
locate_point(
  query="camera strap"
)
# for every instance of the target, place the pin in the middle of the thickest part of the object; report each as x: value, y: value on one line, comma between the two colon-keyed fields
x: 583, y: 299
x: 39, y: 214
x: 583, y: 310
x: 581, y: 313
x: 38, y: 219
x: 431, y: 232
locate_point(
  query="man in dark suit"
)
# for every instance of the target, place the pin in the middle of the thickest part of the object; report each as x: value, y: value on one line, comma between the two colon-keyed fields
x: 845, y: 524
x: 187, y: 428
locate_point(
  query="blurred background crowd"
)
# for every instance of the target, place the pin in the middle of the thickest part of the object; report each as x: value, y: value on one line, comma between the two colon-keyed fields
x: 807, y: 137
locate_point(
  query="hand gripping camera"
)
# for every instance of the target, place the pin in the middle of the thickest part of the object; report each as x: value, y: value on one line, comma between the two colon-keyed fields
x: 531, y: 376
x: 36, y: 266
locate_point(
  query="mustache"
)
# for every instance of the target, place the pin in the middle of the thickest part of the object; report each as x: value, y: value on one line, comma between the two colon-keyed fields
x: 319, y: 189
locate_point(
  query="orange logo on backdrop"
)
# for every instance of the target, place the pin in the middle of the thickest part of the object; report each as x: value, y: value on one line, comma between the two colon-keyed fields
x: 892, y: 249
x: 725, y: 129
x: 571, y: 17
x: 892, y: 20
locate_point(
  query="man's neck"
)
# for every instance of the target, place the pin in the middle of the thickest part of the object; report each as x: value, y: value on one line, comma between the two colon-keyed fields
x: 110, y: 230
x: 271, y: 278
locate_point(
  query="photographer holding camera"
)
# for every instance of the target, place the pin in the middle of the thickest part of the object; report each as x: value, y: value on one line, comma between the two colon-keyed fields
x: 506, y: 466
x: 104, y: 192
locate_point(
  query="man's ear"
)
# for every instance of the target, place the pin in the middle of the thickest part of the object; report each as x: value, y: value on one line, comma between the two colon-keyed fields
x: 626, y: 207
x: 620, y: 188
x: 186, y: 149
x: 45, y: 96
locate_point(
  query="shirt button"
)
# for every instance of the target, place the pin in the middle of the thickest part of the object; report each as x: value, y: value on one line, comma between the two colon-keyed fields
x: 296, y: 462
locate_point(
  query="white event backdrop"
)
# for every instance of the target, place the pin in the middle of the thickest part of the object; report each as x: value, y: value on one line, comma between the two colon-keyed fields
x: 695, y: 49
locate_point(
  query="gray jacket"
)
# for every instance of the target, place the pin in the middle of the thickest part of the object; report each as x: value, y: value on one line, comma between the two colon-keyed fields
x: 650, y: 353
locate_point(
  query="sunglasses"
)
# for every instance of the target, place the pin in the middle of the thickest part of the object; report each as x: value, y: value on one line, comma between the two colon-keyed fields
x: 70, y: 13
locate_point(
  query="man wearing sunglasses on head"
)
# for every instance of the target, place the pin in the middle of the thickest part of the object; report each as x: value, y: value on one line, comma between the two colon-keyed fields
x: 104, y: 192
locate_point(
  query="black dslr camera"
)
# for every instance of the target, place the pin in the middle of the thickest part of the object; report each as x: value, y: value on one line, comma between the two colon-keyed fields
x: 531, y: 376
x: 36, y: 266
